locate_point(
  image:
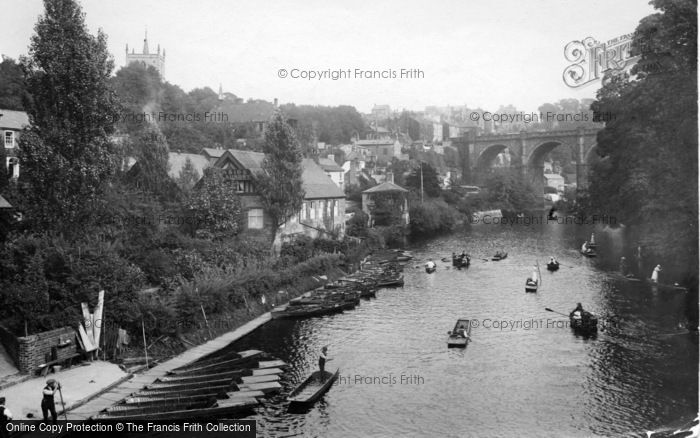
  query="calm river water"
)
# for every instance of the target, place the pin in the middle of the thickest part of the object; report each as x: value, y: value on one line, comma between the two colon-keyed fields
x: 528, y: 380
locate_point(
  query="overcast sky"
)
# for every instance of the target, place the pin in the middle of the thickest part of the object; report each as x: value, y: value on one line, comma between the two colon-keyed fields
x: 479, y: 53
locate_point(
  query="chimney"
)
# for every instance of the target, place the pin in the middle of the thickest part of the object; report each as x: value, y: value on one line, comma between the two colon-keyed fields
x: 275, y: 102
x: 389, y: 176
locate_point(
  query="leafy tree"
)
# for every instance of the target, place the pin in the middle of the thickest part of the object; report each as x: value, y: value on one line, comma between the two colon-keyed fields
x: 280, y: 183
x: 152, y: 163
x: 12, y: 86
x: 188, y: 176
x: 66, y: 155
x: 510, y: 190
x: 214, y: 205
x: 647, y: 177
x: 431, y: 182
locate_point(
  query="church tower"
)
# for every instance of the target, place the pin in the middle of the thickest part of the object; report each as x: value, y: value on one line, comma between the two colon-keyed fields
x: 157, y: 60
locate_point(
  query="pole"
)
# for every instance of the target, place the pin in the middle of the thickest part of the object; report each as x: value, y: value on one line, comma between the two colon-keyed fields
x: 421, y: 182
x: 206, y: 321
x: 60, y: 394
x: 145, y: 349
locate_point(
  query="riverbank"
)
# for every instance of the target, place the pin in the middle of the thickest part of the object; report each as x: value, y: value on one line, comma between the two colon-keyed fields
x: 116, y: 393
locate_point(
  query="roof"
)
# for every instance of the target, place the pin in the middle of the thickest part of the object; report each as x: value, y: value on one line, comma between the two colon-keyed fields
x: 329, y: 165
x: 252, y: 161
x: 385, y: 187
x: 4, y: 203
x: 177, y: 162
x: 213, y: 152
x: 15, y: 120
x: 316, y: 183
x: 247, y: 112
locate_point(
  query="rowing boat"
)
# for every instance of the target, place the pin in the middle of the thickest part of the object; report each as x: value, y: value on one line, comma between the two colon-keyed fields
x: 203, y: 377
x: 217, y: 389
x: 222, y: 408
x: 499, y: 256
x: 458, y: 338
x: 311, y: 389
x: 194, y: 369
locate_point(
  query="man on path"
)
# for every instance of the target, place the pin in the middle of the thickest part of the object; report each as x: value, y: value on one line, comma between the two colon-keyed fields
x: 47, y: 402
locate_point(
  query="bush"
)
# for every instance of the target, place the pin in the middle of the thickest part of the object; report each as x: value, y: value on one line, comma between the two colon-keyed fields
x: 431, y: 218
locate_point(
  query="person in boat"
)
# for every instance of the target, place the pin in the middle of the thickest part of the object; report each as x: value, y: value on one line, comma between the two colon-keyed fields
x: 550, y: 215
x: 322, y: 359
x: 553, y: 261
x: 655, y: 274
x: 584, y: 247
x: 578, y: 312
x: 430, y: 264
x: 623, y: 266
x: 47, y: 402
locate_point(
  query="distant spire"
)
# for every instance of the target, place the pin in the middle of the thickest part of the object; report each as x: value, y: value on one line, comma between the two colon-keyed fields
x: 145, y: 43
x: 127, y: 48
x: 221, y: 92
x: 159, y: 49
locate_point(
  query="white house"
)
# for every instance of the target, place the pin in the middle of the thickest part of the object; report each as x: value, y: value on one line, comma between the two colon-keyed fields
x: 11, y: 124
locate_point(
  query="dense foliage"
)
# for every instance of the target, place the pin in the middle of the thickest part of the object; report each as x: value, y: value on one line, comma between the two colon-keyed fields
x: 280, y: 183
x: 647, y: 177
x: 72, y: 112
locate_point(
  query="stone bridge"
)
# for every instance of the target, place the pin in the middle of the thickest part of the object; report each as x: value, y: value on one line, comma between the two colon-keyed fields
x: 527, y: 149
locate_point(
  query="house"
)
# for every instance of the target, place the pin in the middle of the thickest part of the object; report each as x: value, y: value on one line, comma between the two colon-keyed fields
x: 381, y: 112
x: 554, y: 180
x: 11, y: 125
x: 335, y: 172
x: 352, y: 167
x: 382, y: 150
x: 400, y: 197
x: 322, y: 212
x: 177, y: 160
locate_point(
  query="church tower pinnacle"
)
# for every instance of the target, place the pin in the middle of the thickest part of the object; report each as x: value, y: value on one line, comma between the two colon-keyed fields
x: 146, y: 58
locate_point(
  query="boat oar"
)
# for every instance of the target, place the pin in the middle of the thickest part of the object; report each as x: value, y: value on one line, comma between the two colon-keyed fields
x: 554, y: 311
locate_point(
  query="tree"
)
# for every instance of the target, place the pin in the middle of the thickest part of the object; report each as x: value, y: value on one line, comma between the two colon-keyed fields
x: 280, y: 182
x: 510, y: 190
x: 214, y: 206
x: 647, y: 177
x: 66, y: 155
x: 152, y: 164
x: 431, y: 182
x: 188, y: 176
x: 13, y: 89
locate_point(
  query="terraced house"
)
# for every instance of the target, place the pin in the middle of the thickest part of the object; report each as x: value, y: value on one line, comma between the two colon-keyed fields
x: 323, y: 210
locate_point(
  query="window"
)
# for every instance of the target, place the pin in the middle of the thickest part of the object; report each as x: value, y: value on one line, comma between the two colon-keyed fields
x: 304, y: 211
x: 313, y: 210
x: 385, y: 151
x: 335, y: 208
x: 240, y: 187
x: 9, y: 139
x: 255, y: 218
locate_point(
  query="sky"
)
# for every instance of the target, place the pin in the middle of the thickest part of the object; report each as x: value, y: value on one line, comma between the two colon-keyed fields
x: 476, y: 53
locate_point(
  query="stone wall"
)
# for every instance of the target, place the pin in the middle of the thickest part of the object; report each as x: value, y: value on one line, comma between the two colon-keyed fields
x: 43, y: 347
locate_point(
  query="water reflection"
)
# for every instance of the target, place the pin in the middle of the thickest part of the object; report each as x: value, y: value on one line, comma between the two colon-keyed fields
x: 543, y: 380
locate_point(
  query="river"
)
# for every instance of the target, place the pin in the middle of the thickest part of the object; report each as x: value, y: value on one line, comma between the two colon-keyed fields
x: 523, y: 374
